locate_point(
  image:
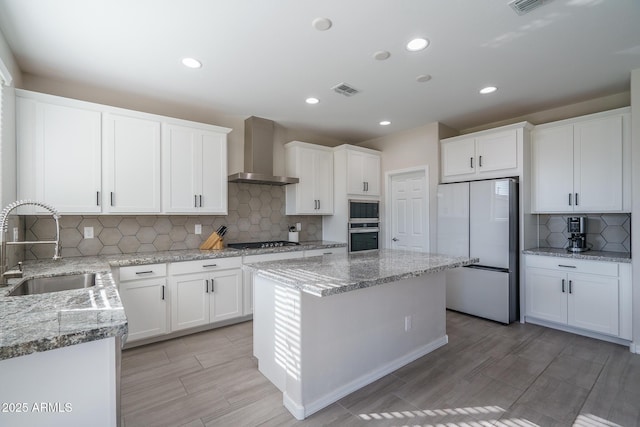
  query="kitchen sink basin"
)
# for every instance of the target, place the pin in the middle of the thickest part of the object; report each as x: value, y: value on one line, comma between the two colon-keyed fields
x: 41, y: 285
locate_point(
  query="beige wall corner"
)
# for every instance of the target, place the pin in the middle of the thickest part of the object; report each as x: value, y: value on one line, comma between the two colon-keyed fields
x: 412, y: 148
x: 8, y: 175
x: 635, y: 208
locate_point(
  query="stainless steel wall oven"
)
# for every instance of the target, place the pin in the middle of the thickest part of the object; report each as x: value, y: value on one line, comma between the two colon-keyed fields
x: 363, y: 236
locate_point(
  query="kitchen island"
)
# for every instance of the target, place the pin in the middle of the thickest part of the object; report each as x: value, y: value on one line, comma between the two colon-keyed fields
x: 326, y: 326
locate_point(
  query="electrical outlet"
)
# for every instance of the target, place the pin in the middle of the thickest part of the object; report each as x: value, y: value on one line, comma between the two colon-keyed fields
x: 407, y: 323
x: 88, y: 232
x: 198, y: 229
x: 16, y: 234
x: 298, y: 226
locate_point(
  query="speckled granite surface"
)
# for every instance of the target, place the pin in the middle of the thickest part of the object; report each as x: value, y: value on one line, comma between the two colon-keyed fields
x: 589, y: 255
x: 44, y: 322
x: 333, y: 274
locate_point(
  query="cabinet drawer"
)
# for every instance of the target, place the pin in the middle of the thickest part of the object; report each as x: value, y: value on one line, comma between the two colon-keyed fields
x: 205, y: 265
x: 327, y: 251
x: 248, y: 259
x: 573, y: 265
x: 147, y: 271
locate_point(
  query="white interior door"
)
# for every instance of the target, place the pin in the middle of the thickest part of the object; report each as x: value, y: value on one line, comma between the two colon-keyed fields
x: 410, y: 212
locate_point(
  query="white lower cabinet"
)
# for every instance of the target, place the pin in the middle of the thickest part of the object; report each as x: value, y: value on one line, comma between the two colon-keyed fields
x: 144, y: 295
x: 327, y: 251
x: 205, y: 291
x: 594, y: 296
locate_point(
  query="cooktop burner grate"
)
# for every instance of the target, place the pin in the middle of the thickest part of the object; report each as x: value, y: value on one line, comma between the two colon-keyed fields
x: 261, y: 245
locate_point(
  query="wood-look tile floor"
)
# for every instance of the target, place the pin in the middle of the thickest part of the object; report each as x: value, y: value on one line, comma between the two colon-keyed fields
x: 488, y: 374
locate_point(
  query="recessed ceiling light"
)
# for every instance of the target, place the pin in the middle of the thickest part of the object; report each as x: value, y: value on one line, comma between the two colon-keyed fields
x: 488, y: 89
x: 417, y: 44
x: 321, y: 24
x: 381, y: 55
x: 312, y: 100
x: 385, y: 123
x: 423, y: 78
x: 191, y: 63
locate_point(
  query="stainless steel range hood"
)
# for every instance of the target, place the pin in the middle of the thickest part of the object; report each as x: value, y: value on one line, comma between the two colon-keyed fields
x: 258, y: 155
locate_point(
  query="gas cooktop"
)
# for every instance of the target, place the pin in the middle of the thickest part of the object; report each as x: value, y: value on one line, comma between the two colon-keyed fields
x: 261, y: 245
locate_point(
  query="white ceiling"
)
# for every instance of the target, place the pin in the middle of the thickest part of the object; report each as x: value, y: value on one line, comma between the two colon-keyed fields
x: 263, y: 57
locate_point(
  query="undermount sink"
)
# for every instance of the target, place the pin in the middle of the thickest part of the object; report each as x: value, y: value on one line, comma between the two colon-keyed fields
x: 42, y: 285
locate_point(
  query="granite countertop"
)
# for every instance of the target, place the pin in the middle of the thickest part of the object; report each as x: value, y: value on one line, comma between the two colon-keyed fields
x: 588, y: 255
x: 334, y: 274
x: 33, y: 323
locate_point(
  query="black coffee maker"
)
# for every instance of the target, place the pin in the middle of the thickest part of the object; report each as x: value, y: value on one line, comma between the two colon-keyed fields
x: 577, y: 229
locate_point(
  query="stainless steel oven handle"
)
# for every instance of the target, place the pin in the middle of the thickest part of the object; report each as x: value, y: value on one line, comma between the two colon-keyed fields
x: 364, y: 230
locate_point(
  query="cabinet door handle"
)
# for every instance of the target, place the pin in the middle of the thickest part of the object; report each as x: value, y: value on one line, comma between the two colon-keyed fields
x: 566, y: 266
x: 569, y: 199
x: 364, y: 186
x: 97, y: 198
x: 144, y: 272
x: 195, y: 200
x: 112, y: 198
x: 209, y: 265
x: 480, y: 161
x: 570, y: 287
x: 318, y: 204
x: 563, y: 286
x: 471, y: 162
x: 213, y: 289
x: 200, y: 200
x: 206, y: 285
x: 163, y: 292
x: 576, y: 199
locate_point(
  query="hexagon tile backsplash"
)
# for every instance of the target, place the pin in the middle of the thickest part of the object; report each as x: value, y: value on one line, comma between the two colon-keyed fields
x: 605, y: 232
x: 256, y: 213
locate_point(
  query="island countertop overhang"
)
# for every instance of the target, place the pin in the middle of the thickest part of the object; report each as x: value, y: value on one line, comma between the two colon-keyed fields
x: 334, y: 274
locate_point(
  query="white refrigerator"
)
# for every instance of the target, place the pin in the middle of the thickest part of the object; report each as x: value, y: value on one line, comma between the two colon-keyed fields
x: 479, y: 219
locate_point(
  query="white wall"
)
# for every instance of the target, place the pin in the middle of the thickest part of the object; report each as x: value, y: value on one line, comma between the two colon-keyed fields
x: 635, y: 208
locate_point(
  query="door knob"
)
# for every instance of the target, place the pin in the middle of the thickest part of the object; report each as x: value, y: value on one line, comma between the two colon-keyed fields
x: 395, y: 239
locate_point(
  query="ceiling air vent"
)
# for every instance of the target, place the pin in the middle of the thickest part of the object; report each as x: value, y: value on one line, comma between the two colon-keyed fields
x: 522, y: 7
x: 345, y: 89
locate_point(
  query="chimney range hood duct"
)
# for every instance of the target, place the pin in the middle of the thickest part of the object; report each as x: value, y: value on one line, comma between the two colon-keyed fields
x: 258, y: 155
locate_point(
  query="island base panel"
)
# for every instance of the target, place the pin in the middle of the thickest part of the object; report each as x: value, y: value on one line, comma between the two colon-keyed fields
x: 317, y: 350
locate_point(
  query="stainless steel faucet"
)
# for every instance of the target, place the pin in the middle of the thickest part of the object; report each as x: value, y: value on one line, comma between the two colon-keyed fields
x: 4, y: 227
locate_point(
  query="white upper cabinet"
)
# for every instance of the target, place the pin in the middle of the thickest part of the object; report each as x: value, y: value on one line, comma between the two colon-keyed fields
x: 313, y: 165
x: 194, y: 170
x: 492, y: 153
x: 86, y: 158
x: 59, y: 156
x: 582, y: 165
x: 132, y: 164
x: 363, y: 173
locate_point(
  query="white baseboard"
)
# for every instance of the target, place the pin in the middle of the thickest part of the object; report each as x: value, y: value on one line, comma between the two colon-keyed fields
x: 301, y: 412
x: 634, y: 348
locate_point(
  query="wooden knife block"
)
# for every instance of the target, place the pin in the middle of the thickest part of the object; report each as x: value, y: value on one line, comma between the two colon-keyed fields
x: 214, y: 241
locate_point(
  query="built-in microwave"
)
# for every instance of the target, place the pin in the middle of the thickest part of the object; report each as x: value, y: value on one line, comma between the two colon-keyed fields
x: 363, y: 236
x: 364, y: 210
